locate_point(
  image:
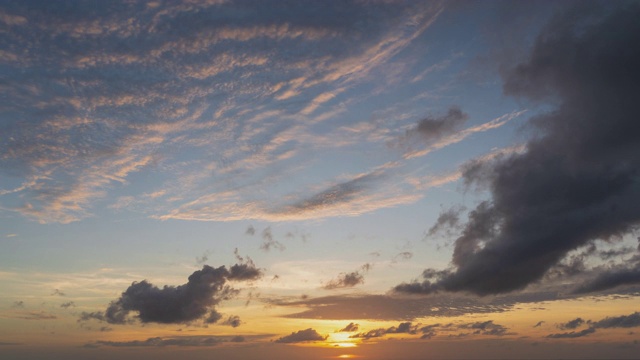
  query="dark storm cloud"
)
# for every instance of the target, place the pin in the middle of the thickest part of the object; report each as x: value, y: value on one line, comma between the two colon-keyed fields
x: 192, y: 301
x: 433, y: 128
x: 349, y: 328
x: 579, y: 178
x: 402, y: 328
x: 573, y: 324
x: 301, y: 336
x: 347, y: 280
x: 572, y: 334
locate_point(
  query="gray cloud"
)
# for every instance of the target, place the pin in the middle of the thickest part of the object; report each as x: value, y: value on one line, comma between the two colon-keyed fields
x: 269, y: 242
x: 32, y: 315
x: 447, y: 220
x: 404, y: 256
x: 402, y: 328
x: 578, y: 179
x: 351, y: 327
x: 18, y: 304
x: 572, y: 334
x: 433, y: 128
x: 343, y: 192
x: 170, y: 341
x: 195, y: 300
x: 233, y: 321
x: 68, y: 305
x: 301, y: 336
x: 610, y: 279
x: 485, y: 328
x: 385, y: 307
x: 624, y: 321
x: 347, y: 280
x: 96, y: 315
x: 250, y: 230
x: 58, y: 293
x: 573, y: 324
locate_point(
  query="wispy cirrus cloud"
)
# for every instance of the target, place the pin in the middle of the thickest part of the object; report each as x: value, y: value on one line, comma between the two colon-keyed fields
x: 177, y: 87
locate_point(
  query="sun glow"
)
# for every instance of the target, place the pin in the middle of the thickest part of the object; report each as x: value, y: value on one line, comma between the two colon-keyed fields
x: 341, y: 340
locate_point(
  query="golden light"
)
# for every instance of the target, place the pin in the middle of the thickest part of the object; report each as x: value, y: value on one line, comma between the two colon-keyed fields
x: 341, y: 340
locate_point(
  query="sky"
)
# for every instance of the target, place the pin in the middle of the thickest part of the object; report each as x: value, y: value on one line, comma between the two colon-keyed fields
x: 319, y: 179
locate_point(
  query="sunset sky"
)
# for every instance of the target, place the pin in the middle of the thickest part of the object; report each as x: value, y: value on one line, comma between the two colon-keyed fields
x: 382, y: 180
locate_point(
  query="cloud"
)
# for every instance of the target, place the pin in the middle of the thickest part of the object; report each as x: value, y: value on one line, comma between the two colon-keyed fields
x: 93, y: 99
x: 610, y: 279
x: 348, y: 280
x: 190, y: 341
x: 572, y: 334
x: 68, y: 305
x: 448, y: 219
x: 573, y: 324
x: 343, y: 192
x: 250, y: 230
x: 388, y: 308
x: 351, y: 327
x: 18, y: 304
x: 485, y: 328
x: 32, y: 315
x: 624, y: 321
x: 195, y: 300
x: 558, y: 195
x: 233, y: 321
x: 433, y: 128
x: 402, y: 328
x: 404, y: 256
x: 301, y: 336
x: 269, y: 241
x: 58, y: 293
x: 538, y: 324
